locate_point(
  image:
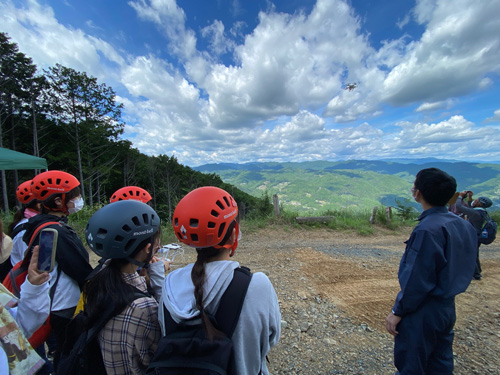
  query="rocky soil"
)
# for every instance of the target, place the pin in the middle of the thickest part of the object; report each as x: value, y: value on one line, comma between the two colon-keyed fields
x: 335, y: 290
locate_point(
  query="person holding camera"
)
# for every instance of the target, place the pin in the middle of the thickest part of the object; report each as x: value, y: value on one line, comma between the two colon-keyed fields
x: 474, y: 212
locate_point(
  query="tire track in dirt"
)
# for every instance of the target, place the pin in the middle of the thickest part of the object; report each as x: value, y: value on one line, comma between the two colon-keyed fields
x: 364, y: 291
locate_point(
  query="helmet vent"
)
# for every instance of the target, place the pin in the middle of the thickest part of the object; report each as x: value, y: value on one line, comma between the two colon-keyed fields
x: 145, y: 218
x: 135, y: 220
x: 58, y: 181
x: 193, y: 223
x: 211, y: 224
x: 218, y: 203
x: 176, y: 222
x: 194, y: 237
x: 118, y: 238
x: 215, y: 213
x: 221, y: 229
x: 126, y: 228
x: 49, y: 180
x: 101, y: 233
x: 129, y: 245
x: 227, y: 202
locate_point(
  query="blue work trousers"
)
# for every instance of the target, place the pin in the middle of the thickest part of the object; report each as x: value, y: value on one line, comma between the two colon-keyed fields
x: 424, y: 343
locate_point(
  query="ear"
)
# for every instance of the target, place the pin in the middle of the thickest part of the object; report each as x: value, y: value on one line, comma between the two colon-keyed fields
x: 58, y: 201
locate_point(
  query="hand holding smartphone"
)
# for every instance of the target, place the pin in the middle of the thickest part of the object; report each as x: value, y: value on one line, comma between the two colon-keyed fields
x: 47, y: 250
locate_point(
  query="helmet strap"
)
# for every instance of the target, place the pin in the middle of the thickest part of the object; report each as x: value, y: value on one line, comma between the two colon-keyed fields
x: 136, y: 262
x: 234, y: 245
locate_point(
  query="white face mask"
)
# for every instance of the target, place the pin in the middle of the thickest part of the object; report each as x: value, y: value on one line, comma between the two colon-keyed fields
x: 78, y: 203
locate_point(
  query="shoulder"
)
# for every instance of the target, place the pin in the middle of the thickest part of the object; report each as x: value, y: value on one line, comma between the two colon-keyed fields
x: 260, y: 282
x: 142, y: 311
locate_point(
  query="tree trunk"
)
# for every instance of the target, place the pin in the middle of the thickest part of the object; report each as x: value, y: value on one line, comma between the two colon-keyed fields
x: 4, y: 180
x: 78, y: 153
x: 98, y: 188
x: 36, y: 150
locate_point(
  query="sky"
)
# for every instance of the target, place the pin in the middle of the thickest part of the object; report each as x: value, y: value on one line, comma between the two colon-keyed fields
x: 214, y: 81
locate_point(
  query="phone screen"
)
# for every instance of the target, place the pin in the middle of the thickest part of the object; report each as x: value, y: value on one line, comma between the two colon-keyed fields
x: 46, y: 247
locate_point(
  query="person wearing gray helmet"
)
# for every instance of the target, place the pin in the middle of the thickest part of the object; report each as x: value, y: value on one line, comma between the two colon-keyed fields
x: 125, y: 233
x: 475, y: 214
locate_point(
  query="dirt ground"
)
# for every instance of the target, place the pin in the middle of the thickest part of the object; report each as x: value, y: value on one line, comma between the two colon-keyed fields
x: 356, y: 277
x: 335, y: 290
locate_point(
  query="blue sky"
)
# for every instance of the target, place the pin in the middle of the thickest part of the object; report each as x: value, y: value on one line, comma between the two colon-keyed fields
x: 240, y: 81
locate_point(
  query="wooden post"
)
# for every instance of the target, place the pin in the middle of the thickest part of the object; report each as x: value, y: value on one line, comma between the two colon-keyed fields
x: 388, y: 214
x: 374, y: 213
x: 276, y: 204
x: 242, y: 210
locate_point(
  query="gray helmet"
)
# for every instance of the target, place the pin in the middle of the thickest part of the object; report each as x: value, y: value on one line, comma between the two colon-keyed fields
x: 485, y: 202
x: 116, y: 230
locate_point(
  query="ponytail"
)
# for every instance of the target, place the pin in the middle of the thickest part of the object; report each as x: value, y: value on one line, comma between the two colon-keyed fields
x: 198, y: 278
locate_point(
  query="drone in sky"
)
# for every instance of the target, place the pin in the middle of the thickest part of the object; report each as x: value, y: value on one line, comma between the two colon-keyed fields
x: 351, y: 86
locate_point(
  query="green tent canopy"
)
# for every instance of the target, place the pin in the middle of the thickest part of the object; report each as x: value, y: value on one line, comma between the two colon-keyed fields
x: 10, y: 160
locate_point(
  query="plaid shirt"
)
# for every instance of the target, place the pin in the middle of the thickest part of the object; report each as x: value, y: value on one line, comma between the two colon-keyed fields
x: 129, y: 340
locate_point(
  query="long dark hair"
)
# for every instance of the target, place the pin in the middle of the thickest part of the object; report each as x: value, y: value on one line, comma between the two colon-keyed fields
x: 108, y: 284
x: 198, y: 277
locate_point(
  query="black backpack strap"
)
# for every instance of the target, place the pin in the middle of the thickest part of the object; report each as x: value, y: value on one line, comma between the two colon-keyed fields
x: 231, y: 303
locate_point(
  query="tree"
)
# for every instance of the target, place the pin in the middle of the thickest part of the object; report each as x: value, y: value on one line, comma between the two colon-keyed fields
x: 89, y: 113
x: 17, y: 75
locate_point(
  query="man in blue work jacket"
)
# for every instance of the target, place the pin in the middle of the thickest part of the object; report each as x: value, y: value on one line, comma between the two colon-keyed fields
x: 438, y: 263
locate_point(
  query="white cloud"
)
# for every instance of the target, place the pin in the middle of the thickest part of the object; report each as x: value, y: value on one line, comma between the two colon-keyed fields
x: 170, y: 19
x: 219, y: 44
x: 429, y: 107
x: 456, y: 129
x: 35, y: 29
x: 282, y: 97
x: 459, y: 47
x: 495, y: 117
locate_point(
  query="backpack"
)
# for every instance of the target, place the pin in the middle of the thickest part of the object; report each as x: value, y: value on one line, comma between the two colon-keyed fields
x: 185, y: 349
x: 488, y: 231
x: 81, y: 352
x: 16, y: 277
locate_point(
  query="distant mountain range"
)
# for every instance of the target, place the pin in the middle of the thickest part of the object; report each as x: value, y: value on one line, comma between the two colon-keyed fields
x: 317, y: 186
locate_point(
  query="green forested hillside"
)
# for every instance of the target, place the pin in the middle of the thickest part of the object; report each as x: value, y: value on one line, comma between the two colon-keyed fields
x: 315, y: 187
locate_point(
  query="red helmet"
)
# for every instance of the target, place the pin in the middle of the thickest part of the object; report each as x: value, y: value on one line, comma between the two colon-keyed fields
x: 24, y: 194
x: 202, y: 217
x: 52, y: 182
x: 131, y: 192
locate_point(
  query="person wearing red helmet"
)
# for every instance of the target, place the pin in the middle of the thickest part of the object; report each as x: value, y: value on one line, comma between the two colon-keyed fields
x: 29, y: 208
x: 207, y: 219
x: 59, y: 195
x: 131, y: 192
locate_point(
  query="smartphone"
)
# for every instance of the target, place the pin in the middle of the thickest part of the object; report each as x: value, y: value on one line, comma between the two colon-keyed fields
x: 47, y: 250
